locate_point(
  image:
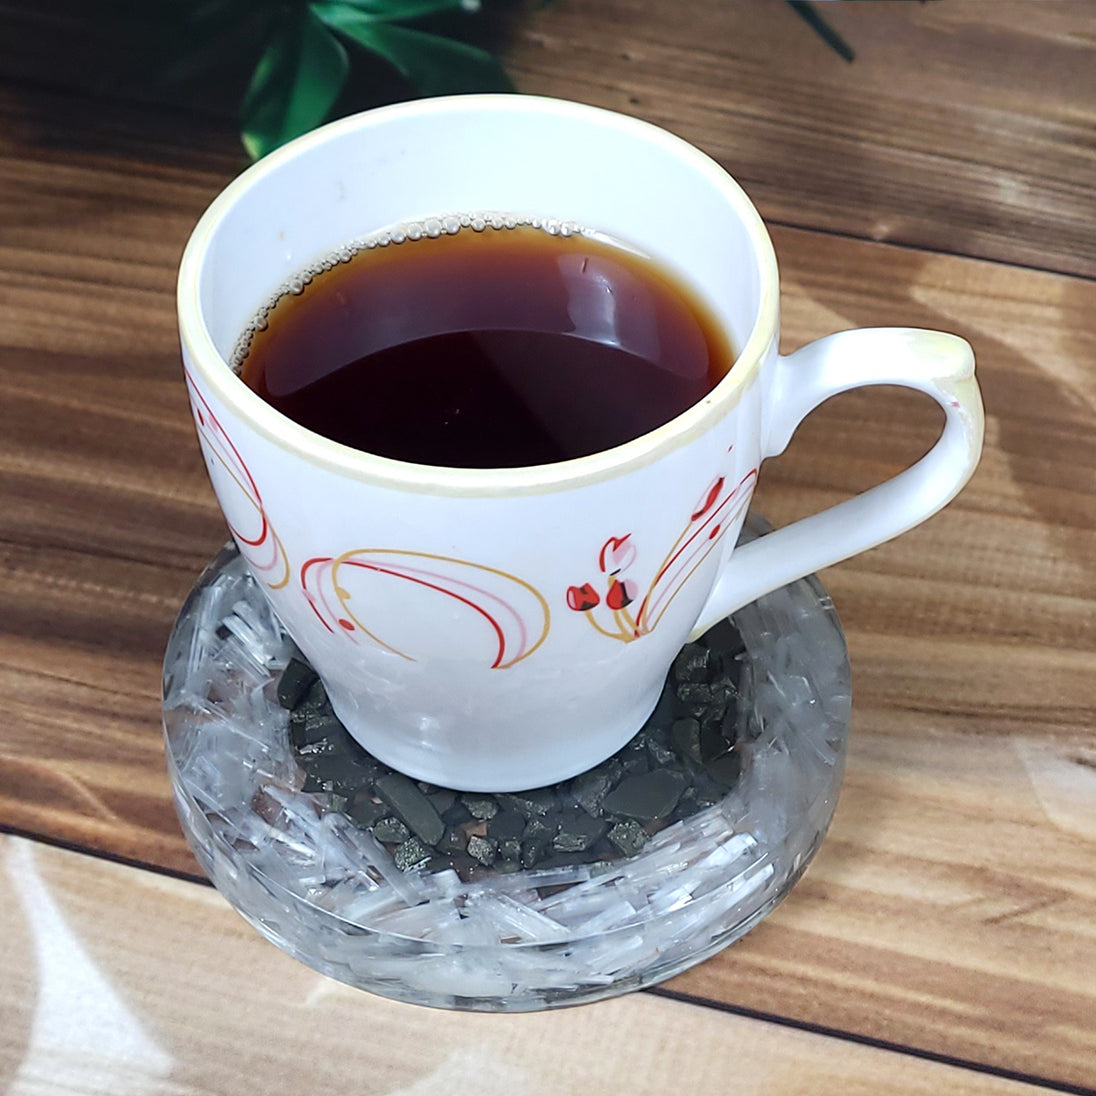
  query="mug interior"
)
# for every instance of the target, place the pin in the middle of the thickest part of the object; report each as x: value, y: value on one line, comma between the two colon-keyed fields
x: 522, y: 155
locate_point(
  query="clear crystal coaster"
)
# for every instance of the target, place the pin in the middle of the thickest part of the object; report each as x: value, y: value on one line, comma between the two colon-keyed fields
x: 319, y: 883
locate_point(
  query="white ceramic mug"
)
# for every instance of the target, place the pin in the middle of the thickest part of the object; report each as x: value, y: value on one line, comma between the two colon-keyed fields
x: 502, y: 629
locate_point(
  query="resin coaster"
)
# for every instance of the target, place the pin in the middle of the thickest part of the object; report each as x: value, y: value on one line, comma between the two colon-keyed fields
x: 621, y: 878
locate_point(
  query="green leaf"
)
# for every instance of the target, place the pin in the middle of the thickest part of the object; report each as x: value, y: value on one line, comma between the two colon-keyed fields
x: 294, y: 85
x: 830, y: 35
x: 396, y: 11
x: 433, y: 64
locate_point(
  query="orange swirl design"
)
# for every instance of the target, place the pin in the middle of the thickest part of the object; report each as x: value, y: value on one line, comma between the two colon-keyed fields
x: 515, y: 611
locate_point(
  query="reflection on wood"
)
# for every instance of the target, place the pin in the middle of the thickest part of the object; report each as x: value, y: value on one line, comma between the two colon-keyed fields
x: 82, y: 1037
x: 162, y: 959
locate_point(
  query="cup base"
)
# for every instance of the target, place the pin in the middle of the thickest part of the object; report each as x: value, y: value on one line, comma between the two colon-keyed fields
x: 496, y: 936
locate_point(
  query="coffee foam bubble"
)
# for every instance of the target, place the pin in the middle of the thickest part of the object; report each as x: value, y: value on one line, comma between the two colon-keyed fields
x: 428, y: 229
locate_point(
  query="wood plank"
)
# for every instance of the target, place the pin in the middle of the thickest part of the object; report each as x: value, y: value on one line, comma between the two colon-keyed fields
x: 107, y: 512
x: 962, y: 126
x: 975, y: 702
x: 116, y: 983
x: 951, y: 905
x: 952, y: 901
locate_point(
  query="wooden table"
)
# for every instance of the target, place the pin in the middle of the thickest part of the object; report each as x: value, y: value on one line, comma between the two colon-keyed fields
x: 945, y: 938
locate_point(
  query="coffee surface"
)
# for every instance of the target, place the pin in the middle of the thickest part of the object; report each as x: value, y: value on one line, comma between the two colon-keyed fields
x: 487, y: 349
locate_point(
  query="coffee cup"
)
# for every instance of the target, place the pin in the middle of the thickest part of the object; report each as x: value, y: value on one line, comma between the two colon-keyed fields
x: 495, y: 629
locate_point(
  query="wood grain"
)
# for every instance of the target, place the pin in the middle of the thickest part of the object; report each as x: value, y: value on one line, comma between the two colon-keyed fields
x: 964, y: 126
x: 968, y: 817
x: 951, y: 907
x: 156, y: 963
x: 107, y: 512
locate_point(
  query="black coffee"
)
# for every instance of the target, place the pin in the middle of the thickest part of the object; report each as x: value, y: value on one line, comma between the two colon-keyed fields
x: 487, y: 349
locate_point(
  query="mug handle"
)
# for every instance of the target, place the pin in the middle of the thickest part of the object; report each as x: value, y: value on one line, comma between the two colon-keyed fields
x: 940, y: 365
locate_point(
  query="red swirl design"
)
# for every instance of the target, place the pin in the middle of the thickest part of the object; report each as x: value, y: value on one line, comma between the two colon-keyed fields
x: 262, y: 547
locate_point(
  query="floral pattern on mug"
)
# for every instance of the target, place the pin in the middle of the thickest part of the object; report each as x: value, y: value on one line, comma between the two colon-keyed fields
x: 259, y: 544
x: 515, y: 612
x: 611, y: 614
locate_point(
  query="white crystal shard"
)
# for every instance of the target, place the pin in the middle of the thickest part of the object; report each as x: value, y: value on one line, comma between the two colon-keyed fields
x: 329, y: 893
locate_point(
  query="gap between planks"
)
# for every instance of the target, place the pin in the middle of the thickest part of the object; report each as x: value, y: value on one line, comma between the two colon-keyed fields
x: 660, y: 991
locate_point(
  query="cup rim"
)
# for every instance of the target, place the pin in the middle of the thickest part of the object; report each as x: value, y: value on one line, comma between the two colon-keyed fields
x: 207, y: 361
